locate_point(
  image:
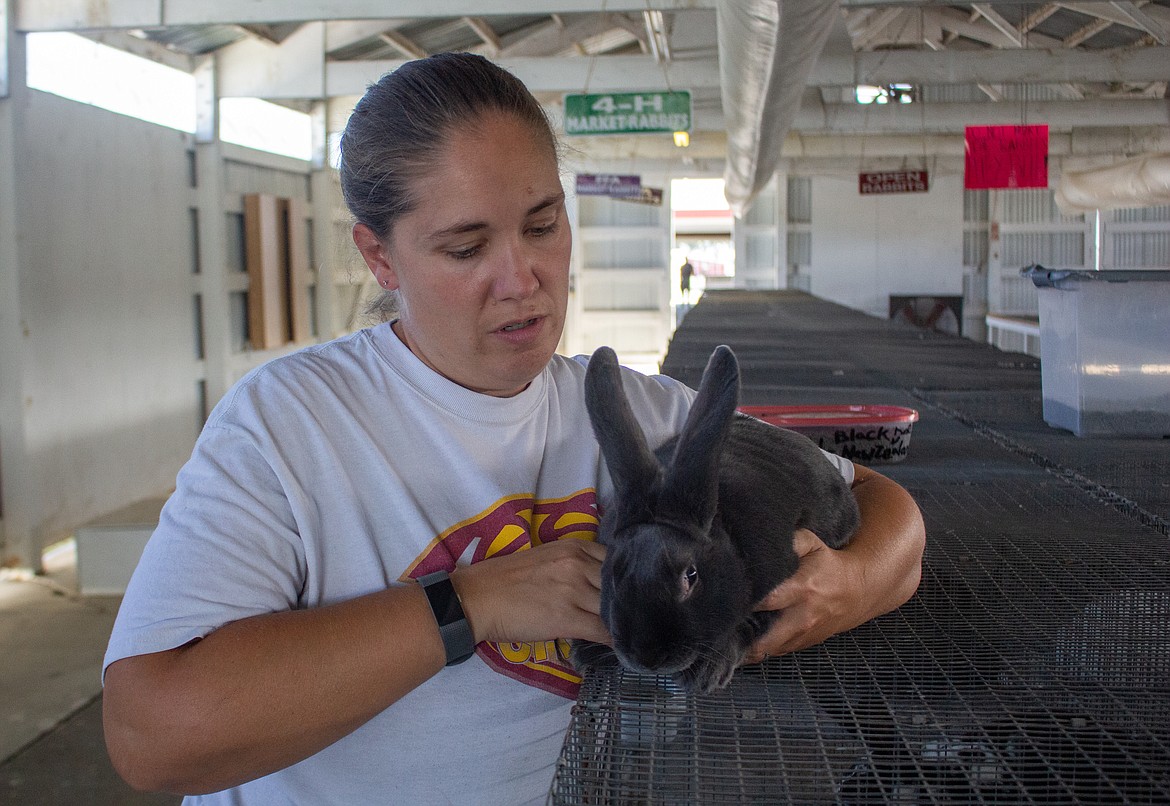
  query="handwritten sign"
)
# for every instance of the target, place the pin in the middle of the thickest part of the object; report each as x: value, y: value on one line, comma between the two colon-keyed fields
x: 877, y: 443
x: 1006, y: 157
x: 893, y: 182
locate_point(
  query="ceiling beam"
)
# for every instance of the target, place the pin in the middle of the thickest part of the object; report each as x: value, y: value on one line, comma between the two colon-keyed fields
x: 403, y: 44
x: 873, y: 28
x: 657, y: 35
x: 601, y: 74
x: 950, y: 117
x: 1104, y: 11
x: 1142, y: 21
x: 1086, y: 32
x: 145, y: 48
x: 992, y: 93
x: 1002, y: 25
x: 1038, y: 16
x: 292, y: 70
x: 557, y: 36
x: 485, y: 32
x: 84, y: 15
x: 980, y: 30
x: 863, y: 4
x: 339, y: 35
x: 1032, y: 66
x: 636, y: 30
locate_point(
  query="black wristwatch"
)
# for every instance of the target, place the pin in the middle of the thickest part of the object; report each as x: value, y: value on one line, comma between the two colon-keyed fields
x: 453, y: 626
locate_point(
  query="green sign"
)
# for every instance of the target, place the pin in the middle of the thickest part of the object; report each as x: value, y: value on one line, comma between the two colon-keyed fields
x: 628, y: 113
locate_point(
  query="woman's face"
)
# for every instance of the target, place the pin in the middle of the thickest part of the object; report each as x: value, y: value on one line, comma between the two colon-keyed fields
x: 482, y: 262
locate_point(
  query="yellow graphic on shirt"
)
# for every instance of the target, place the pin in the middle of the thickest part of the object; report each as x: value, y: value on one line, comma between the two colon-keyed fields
x: 513, y: 524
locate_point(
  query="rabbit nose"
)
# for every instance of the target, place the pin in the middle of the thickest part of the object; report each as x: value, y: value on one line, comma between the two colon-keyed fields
x: 655, y: 658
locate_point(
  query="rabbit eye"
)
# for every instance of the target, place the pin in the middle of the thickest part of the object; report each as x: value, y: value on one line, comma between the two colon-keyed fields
x: 689, y: 578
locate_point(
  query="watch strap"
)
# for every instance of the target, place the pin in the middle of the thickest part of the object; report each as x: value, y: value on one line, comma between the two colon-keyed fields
x: 458, y: 641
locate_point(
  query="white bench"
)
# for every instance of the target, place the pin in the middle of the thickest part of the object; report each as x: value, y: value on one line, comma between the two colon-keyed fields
x: 1015, y: 333
x: 108, y: 548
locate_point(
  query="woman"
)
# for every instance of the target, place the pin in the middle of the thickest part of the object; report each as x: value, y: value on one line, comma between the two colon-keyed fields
x: 274, y: 643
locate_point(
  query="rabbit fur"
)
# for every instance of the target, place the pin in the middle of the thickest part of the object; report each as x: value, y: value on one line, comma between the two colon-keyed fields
x: 701, y: 529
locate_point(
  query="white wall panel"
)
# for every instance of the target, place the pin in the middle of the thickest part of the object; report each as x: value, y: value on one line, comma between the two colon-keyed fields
x: 865, y: 248
x: 621, y: 254
x: 106, y: 293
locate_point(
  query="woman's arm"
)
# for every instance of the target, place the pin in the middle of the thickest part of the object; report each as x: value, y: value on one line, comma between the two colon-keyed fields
x: 836, y: 590
x: 264, y: 692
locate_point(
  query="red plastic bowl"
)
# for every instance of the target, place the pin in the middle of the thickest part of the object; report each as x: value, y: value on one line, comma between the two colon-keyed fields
x: 868, y: 434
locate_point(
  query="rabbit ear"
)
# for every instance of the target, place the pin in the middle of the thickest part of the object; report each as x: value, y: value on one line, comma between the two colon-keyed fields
x: 635, y: 471
x: 692, y: 479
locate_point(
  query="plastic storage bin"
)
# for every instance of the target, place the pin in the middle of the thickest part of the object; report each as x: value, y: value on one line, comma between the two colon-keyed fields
x: 866, y: 434
x: 1105, y: 350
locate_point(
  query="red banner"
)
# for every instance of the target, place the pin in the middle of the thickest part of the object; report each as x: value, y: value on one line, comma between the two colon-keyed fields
x: 1006, y: 157
x: 893, y: 182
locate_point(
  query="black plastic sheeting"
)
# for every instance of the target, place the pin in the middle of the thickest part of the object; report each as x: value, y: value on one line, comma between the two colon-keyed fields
x: 1033, y: 664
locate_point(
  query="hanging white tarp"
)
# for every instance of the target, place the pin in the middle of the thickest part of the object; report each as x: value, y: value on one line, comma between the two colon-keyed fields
x: 767, y: 49
x: 1138, y: 182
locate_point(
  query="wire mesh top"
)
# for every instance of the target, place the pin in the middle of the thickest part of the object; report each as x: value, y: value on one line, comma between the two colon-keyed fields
x: 1032, y: 666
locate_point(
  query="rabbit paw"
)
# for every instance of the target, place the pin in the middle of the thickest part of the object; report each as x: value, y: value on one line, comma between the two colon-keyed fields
x: 707, y: 674
x: 587, y: 656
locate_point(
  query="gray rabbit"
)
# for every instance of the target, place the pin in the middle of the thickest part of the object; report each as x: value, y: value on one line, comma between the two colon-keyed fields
x: 701, y: 530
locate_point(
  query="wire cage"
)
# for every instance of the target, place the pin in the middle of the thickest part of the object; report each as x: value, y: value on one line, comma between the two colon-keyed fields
x: 1031, y: 667
x: 1017, y: 674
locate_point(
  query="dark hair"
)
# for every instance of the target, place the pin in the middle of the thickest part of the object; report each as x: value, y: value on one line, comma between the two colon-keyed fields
x: 403, y: 121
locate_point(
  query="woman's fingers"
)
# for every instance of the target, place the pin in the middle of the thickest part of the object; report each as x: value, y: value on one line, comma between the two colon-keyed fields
x: 547, y: 591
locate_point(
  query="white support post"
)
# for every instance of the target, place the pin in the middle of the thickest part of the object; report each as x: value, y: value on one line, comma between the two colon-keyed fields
x: 994, y: 252
x: 739, y: 232
x: 781, y: 180
x: 18, y: 544
x: 5, y: 16
x: 212, y: 235
x: 322, y: 190
x: 206, y: 101
x: 773, y: 197
x: 1097, y: 242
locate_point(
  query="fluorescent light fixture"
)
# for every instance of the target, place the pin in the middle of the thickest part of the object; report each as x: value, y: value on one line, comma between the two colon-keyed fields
x: 682, y: 139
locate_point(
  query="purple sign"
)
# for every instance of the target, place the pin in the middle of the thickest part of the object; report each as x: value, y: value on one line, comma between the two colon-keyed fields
x: 615, y: 186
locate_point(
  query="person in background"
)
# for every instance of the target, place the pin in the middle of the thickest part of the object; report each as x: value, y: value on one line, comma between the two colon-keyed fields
x: 362, y: 586
x: 686, y: 271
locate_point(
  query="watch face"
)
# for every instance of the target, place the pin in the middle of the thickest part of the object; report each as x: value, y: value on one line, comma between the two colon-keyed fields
x: 453, y: 627
x: 445, y: 603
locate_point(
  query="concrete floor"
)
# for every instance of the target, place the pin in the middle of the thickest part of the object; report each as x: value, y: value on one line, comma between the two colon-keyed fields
x: 52, y: 642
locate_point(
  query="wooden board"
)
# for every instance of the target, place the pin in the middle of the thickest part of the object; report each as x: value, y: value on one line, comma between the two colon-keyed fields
x: 300, y: 323
x: 264, y: 247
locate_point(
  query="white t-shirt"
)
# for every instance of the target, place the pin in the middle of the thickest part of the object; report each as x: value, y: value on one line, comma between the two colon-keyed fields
x: 351, y: 466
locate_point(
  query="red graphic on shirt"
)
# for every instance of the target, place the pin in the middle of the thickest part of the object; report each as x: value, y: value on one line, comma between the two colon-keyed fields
x: 515, y: 524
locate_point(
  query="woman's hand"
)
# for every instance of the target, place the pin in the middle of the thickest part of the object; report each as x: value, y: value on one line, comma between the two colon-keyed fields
x: 815, y: 603
x: 834, y: 590
x: 547, y: 591
x: 265, y: 692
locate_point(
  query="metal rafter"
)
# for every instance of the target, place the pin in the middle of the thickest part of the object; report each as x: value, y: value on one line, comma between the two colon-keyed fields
x: 1141, y: 20
x: 1038, y: 16
x: 1086, y: 32
x: 299, y: 62
x: 560, y: 35
x: 485, y: 32
x: 874, y: 27
x: 657, y: 35
x: 1002, y: 25
x: 403, y: 44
